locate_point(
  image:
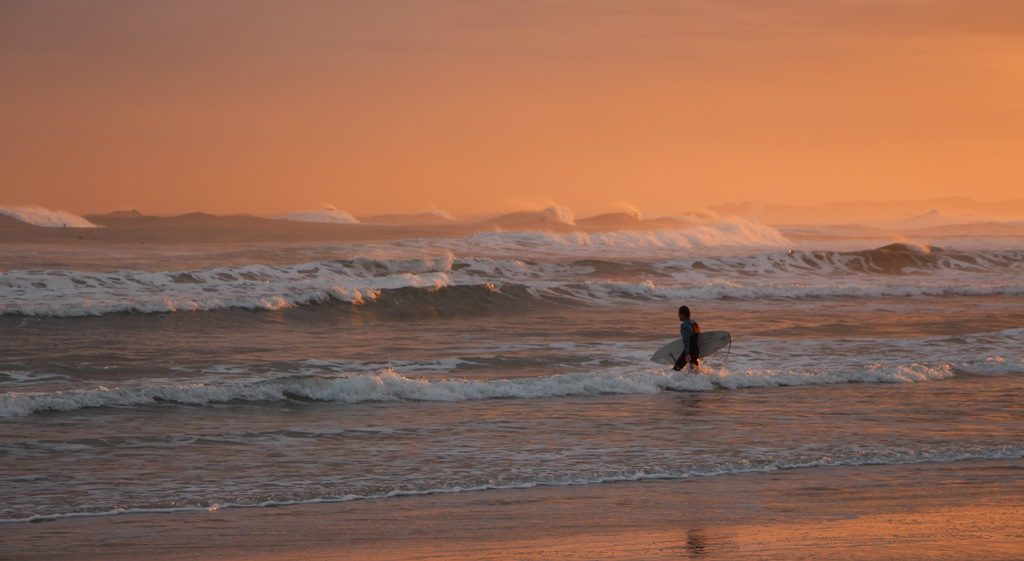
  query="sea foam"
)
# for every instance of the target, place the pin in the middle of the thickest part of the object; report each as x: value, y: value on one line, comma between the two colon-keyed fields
x: 734, y: 232
x: 389, y: 385
x: 891, y: 271
x: 326, y: 215
x: 39, y: 216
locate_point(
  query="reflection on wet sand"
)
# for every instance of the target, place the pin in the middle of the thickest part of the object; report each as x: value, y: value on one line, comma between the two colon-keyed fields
x: 696, y: 543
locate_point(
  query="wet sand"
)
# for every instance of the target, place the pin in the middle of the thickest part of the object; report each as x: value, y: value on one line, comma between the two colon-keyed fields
x: 958, y: 510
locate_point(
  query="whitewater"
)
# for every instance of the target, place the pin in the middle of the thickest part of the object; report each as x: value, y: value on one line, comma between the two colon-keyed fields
x: 195, y: 364
x: 892, y: 270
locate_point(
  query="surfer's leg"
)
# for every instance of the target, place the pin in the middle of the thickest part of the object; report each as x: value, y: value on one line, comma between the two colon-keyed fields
x: 680, y: 362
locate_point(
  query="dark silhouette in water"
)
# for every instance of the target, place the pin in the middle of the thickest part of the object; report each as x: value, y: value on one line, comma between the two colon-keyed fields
x: 689, y: 329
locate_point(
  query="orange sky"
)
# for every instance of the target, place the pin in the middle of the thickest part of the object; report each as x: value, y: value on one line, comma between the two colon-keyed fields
x: 386, y: 106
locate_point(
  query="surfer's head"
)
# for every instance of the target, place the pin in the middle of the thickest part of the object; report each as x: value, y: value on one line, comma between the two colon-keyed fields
x: 684, y: 312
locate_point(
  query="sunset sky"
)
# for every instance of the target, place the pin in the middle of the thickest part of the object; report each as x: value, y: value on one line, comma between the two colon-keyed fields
x: 385, y: 106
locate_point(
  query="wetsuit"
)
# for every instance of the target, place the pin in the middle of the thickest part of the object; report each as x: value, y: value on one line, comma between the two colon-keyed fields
x: 690, y: 348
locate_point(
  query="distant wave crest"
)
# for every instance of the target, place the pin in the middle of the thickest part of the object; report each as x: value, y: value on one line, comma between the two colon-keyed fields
x: 39, y: 216
x: 726, y: 233
x: 326, y: 215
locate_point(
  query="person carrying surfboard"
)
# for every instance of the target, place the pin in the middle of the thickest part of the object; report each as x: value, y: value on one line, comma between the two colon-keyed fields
x: 689, y: 329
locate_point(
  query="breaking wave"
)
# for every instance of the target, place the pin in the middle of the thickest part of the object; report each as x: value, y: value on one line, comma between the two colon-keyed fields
x: 327, y: 215
x: 450, y: 284
x: 39, y: 216
x: 892, y: 259
x: 735, y: 232
x: 388, y: 385
x: 551, y: 215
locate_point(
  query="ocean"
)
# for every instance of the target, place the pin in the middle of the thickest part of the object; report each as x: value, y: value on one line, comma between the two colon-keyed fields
x: 184, y: 373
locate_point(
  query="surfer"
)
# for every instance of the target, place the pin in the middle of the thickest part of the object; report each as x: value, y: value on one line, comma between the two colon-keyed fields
x: 689, y: 330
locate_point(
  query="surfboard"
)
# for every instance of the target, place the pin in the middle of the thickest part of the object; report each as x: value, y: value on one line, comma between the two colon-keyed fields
x: 708, y: 341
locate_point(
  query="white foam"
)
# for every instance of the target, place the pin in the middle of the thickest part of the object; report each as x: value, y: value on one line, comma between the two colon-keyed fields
x: 733, y: 232
x: 553, y: 214
x: 258, y: 287
x: 39, y: 216
x: 719, y: 289
x: 388, y: 385
x: 442, y: 214
x: 561, y: 214
x: 896, y: 271
x: 894, y: 259
x: 997, y: 365
x: 25, y: 376
x: 328, y: 215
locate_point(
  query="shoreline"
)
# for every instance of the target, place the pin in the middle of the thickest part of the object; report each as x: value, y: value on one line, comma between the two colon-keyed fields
x: 934, y: 510
x: 639, y: 478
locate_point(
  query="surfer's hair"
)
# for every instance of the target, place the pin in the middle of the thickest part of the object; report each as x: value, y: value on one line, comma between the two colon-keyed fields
x: 685, y: 310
